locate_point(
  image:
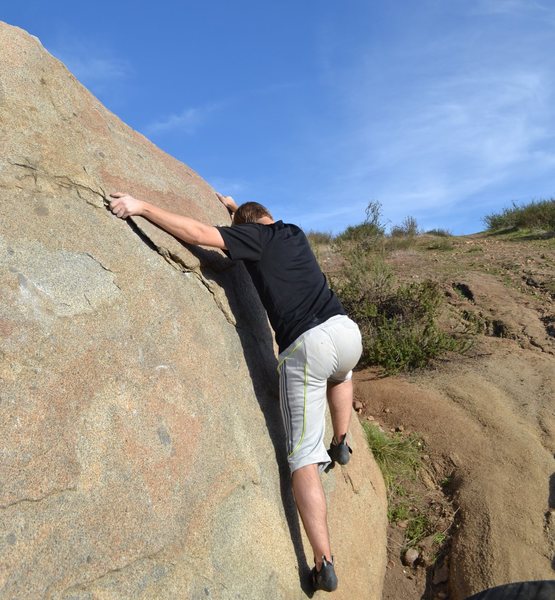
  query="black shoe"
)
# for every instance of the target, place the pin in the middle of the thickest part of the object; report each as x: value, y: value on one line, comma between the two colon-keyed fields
x: 324, y: 579
x: 340, y: 453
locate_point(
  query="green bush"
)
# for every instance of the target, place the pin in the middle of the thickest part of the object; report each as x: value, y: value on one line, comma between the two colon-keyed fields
x: 399, y: 329
x: 398, y: 325
x: 442, y: 243
x: 439, y: 232
x: 535, y: 215
x: 320, y: 237
x: 367, y: 233
x: 409, y: 228
x: 405, y: 334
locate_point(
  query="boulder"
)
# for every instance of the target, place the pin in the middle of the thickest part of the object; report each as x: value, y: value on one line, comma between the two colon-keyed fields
x: 140, y: 436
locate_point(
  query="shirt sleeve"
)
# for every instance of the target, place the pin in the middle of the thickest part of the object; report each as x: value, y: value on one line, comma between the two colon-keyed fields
x: 245, y: 241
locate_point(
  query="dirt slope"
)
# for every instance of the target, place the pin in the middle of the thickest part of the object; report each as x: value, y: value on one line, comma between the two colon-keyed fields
x: 488, y: 416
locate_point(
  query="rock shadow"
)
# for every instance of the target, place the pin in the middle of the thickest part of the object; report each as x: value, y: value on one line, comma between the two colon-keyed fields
x: 551, y: 514
x: 257, y: 342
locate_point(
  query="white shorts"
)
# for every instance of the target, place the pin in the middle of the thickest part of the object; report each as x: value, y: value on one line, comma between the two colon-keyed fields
x: 324, y: 353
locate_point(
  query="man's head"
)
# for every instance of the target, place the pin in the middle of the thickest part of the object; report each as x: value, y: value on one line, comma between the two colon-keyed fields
x: 251, y: 212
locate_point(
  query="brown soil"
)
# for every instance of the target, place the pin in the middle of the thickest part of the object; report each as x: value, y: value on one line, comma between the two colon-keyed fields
x: 487, y: 418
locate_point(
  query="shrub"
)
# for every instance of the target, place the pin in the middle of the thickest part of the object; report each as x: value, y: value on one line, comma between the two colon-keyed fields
x: 399, y: 329
x: 443, y: 243
x: 535, y: 215
x: 439, y: 232
x: 320, y: 237
x: 368, y: 232
x: 405, y: 334
x: 409, y: 228
x: 398, y: 326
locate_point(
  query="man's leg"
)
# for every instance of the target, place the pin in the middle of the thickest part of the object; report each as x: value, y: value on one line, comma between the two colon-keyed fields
x: 340, y: 399
x: 311, y: 503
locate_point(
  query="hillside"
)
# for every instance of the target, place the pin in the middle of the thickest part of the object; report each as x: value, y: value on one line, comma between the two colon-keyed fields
x: 486, y: 417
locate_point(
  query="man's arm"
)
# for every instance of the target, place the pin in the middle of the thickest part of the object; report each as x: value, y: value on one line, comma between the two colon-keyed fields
x: 229, y: 203
x: 184, y: 228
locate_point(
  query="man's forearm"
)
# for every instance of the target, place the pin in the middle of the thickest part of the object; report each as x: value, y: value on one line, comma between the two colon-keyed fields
x: 186, y: 229
x: 189, y: 230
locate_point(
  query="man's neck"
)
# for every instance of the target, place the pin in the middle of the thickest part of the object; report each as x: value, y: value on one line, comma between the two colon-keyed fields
x: 265, y: 221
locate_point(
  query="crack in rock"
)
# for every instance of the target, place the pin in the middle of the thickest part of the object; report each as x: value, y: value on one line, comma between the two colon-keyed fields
x: 173, y: 259
x: 65, y: 182
x: 83, y: 585
x: 35, y: 500
x: 97, y: 261
x: 178, y: 263
x: 348, y: 479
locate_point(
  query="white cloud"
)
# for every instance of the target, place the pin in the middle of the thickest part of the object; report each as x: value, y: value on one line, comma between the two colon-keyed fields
x: 191, y: 118
x: 187, y: 121
x: 96, y: 68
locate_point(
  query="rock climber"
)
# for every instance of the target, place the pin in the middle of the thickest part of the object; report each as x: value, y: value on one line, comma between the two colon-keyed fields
x: 318, y: 345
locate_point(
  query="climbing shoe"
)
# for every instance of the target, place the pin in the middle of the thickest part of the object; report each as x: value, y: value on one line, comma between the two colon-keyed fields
x: 341, y: 452
x: 324, y: 579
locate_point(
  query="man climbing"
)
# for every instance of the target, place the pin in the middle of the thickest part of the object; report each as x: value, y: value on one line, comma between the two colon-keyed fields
x: 318, y: 345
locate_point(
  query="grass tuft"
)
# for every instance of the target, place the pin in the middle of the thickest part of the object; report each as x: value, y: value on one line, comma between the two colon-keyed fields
x: 398, y: 456
x: 400, y: 460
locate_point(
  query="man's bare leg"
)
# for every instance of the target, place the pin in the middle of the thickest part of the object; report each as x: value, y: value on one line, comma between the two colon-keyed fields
x: 311, y: 503
x: 340, y: 399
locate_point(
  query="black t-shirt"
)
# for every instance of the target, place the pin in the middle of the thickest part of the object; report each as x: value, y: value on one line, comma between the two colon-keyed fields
x: 284, y: 270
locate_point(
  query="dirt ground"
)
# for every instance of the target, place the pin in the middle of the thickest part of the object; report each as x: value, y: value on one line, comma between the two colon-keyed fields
x: 487, y: 418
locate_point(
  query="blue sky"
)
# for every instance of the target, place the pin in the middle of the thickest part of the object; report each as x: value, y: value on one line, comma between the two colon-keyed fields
x: 443, y: 110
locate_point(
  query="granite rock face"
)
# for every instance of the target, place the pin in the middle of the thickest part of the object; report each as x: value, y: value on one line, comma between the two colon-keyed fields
x: 140, y: 437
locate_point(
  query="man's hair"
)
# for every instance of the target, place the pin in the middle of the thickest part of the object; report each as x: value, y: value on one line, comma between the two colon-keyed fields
x: 250, y: 212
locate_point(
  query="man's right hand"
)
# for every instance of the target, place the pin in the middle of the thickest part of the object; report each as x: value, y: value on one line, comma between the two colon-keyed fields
x: 124, y: 205
x: 228, y: 202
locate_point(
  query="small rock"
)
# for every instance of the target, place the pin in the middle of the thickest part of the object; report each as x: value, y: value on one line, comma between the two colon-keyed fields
x: 442, y: 596
x: 455, y: 459
x: 402, y: 524
x: 400, y: 428
x: 410, y: 557
x: 357, y: 405
x: 370, y: 418
x: 387, y: 410
x: 427, y: 480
